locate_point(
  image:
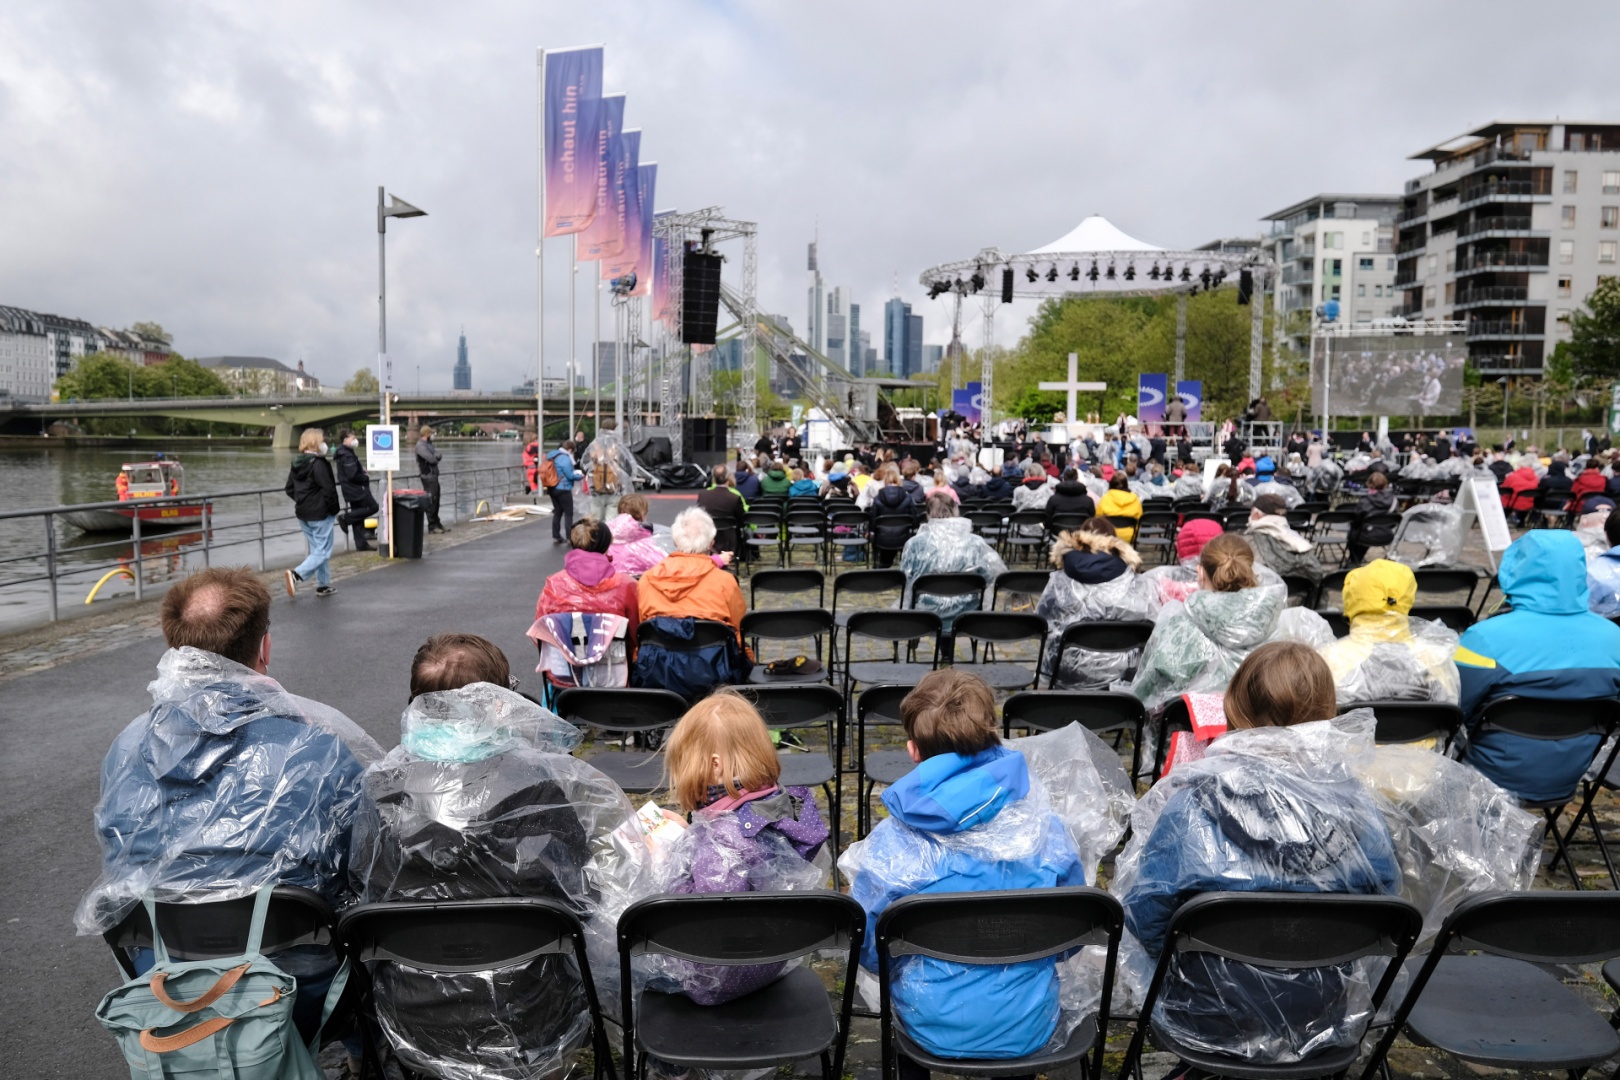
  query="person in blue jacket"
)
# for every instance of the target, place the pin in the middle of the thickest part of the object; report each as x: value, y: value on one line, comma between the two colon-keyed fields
x: 1273, y: 807
x: 1548, y: 646
x: 965, y: 819
x: 562, y: 494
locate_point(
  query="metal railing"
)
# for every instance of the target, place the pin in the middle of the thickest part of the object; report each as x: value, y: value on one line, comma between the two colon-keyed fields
x: 257, y: 523
x: 1501, y: 328
x: 1502, y: 189
x: 1493, y: 224
x: 1485, y: 260
x: 1484, y: 294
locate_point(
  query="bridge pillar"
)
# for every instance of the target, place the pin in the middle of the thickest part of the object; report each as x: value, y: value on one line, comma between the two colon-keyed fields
x: 283, y: 438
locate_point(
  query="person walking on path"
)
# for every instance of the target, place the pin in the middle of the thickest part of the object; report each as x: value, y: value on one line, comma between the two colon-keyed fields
x: 313, y: 490
x: 561, y: 490
x: 356, y: 487
x: 427, y: 465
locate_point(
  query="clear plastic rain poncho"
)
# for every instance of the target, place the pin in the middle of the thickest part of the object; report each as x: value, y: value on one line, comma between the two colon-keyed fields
x: 1067, y: 601
x: 227, y: 784
x: 1455, y: 467
x: 1177, y: 582
x: 1290, y: 494
x: 481, y: 799
x: 1221, y: 496
x: 1420, y: 468
x: 1198, y: 645
x: 948, y: 546
x: 1430, y: 534
x: 1268, y: 809
x: 1389, y: 656
x: 1324, y: 479
x: 1028, y: 845
x: 608, y: 464
x: 1603, y: 582
x: 1189, y: 485
x: 1456, y: 833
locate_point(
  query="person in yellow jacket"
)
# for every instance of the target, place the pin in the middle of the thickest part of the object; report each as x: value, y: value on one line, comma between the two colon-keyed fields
x: 1121, y: 501
x: 1388, y: 655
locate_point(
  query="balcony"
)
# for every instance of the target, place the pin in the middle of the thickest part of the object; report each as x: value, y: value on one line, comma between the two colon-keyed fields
x: 1491, y: 295
x: 1295, y: 275
x: 1504, y: 190
x: 1477, y: 261
x: 1443, y: 208
x: 1501, y: 328
x: 1493, y: 224
x: 1409, y: 247
x: 1503, y: 364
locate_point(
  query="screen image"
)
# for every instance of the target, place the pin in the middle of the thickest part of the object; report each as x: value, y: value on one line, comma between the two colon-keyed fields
x: 1388, y: 374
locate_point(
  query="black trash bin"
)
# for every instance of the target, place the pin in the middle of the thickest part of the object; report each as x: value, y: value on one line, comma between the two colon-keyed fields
x: 410, y: 521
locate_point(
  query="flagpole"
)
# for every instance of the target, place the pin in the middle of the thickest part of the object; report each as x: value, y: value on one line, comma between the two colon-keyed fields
x: 540, y: 255
x: 573, y: 348
x: 596, y: 352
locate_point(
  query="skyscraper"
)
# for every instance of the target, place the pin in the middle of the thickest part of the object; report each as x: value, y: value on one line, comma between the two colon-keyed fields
x: 815, y: 333
x: 837, y: 327
x: 461, y: 377
x: 896, y: 325
x: 854, y: 344
x: 914, y: 362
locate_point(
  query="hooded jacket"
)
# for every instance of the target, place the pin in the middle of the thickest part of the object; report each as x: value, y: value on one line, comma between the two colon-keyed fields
x: 352, y: 478
x: 1033, y: 494
x: 775, y: 482
x: 1069, y: 497
x: 1097, y: 581
x: 966, y: 824
x: 1522, y: 483
x: 1549, y: 646
x: 1269, y: 809
x: 891, y: 500
x: 311, y: 487
x: 686, y: 586
x: 224, y: 786
x: 1374, y: 502
x: 1284, y: 550
x: 802, y: 488
x: 567, y: 472
x: 948, y: 546
x: 1121, y: 504
x: 635, y: 548
x: 481, y: 799
x: 1591, y: 481
x: 589, y: 582
x: 748, y: 485
x: 1388, y: 655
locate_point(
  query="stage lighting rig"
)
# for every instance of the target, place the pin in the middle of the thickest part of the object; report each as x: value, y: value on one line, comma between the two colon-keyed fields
x: 977, y: 280
x: 1110, y: 271
x: 1130, y: 272
x: 1092, y: 275
x: 1154, y: 273
x: 1051, y: 275
x: 1074, y: 272
x: 1220, y: 274
x: 1030, y: 273
x: 1186, y: 273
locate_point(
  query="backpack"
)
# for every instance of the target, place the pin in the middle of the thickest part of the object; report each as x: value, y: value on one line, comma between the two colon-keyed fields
x: 549, y: 477
x: 603, y: 479
x: 231, y: 1016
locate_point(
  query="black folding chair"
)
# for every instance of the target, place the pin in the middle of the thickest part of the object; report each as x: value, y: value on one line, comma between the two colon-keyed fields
x: 1331, y: 529
x: 1412, y: 721
x: 1157, y: 533
x: 805, y: 528
x: 801, y: 708
x: 878, y: 706
x: 801, y: 624
x: 1608, y: 781
x: 891, y: 628
x: 1332, y: 582
x: 1115, y: 637
x: 1554, y: 719
x: 1019, y: 583
x: 847, y: 531
x: 786, y: 1021
x: 1025, y: 531
x: 425, y: 940
x: 1124, y: 525
x: 763, y: 530
x: 1338, y: 622
x: 1003, y: 628
x: 1447, y: 581
x: 999, y: 928
x: 948, y: 587
x: 1452, y: 617
x: 1102, y: 712
x: 1392, y: 522
x: 1301, y: 591
x: 1277, y: 930
x: 1484, y: 994
x: 626, y: 712
x: 1550, y: 505
x: 706, y: 634
x: 784, y: 582
x: 863, y: 584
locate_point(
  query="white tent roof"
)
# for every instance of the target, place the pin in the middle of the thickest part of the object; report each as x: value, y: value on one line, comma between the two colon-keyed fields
x: 1095, y: 234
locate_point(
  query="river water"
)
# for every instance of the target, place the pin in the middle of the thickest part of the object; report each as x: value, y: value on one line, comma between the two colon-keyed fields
x: 37, y: 479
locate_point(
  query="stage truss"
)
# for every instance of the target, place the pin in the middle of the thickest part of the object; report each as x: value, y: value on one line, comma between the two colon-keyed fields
x: 712, y: 226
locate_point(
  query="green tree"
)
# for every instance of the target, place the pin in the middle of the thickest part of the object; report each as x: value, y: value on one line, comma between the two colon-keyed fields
x: 363, y: 381
x: 1594, y: 343
x: 154, y: 331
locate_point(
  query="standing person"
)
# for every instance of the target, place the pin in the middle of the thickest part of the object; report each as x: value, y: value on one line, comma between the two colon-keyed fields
x: 791, y: 447
x: 609, y: 470
x: 313, y: 490
x: 531, y: 466
x: 427, y: 465
x: 356, y: 485
x: 1175, y: 416
x: 561, y: 493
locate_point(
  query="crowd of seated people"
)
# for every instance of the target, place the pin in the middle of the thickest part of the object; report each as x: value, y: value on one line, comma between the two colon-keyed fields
x: 487, y: 795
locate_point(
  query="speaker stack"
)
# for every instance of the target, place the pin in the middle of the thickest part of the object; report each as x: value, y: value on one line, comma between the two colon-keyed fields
x: 705, y: 440
x: 700, y: 297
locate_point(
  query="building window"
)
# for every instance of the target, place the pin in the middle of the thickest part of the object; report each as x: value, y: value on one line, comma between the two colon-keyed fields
x: 1333, y: 293
x: 1366, y: 239
x: 1611, y: 182
x: 1563, y: 315
x: 1333, y: 239
x: 1389, y: 264
x: 1363, y: 315
x: 1451, y: 293
x: 1361, y: 290
x: 1566, y: 286
x: 1566, y: 251
x: 1433, y: 264
x: 1610, y: 217
x: 1378, y: 290
x: 1364, y: 264
x: 1606, y: 251
x: 1567, y: 217
x: 1451, y: 260
x: 1570, y: 178
x: 1428, y: 301
x: 1577, y: 141
x: 1337, y: 267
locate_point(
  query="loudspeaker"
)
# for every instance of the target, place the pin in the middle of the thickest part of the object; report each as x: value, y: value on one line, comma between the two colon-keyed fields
x: 1006, y: 286
x: 705, y: 440
x: 1245, y: 286
x: 700, y: 297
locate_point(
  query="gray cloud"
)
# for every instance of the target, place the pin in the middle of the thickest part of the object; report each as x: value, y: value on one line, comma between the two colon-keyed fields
x: 214, y: 166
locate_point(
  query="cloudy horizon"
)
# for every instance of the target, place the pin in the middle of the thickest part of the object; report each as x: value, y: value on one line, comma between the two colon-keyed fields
x: 214, y: 168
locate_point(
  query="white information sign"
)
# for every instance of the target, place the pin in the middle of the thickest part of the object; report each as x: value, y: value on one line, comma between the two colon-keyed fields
x: 382, y: 448
x: 1479, y: 500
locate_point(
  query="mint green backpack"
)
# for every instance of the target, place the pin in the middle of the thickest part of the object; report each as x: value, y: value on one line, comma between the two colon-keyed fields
x: 225, y: 1019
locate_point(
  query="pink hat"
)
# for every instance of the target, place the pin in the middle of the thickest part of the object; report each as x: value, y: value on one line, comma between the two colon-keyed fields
x: 1191, y: 537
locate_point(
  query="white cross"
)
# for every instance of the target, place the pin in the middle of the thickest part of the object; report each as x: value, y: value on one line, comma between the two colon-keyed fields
x: 1073, y: 386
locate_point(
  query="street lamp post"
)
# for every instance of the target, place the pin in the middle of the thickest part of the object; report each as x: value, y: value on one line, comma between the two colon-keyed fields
x: 396, y: 207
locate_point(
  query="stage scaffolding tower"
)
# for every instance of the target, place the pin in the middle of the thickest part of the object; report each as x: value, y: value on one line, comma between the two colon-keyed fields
x: 708, y: 226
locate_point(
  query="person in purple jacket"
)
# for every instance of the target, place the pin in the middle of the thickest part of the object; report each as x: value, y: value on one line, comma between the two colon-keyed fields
x: 746, y: 832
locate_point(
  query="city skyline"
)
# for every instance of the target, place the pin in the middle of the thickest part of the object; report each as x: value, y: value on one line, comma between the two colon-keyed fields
x: 284, y: 128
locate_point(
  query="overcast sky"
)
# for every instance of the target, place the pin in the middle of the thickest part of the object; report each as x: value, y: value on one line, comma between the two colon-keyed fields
x: 214, y: 166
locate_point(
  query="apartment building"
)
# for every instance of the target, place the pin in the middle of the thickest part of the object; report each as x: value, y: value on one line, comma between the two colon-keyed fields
x: 1334, y: 247
x: 1512, y: 229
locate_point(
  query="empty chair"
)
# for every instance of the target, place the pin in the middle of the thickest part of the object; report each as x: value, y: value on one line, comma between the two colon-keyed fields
x: 498, y: 986
x: 1484, y: 993
x: 914, y: 629
x: 1447, y: 581
x: 990, y: 630
x: 863, y: 589
x: 787, y: 1020
x: 1124, y: 640
x: 805, y: 529
x: 1000, y: 928
x: 1021, y: 588
x: 624, y: 712
x: 763, y: 531
x: 1454, y: 617
x: 1332, y: 582
x: 787, y: 583
x: 1301, y: 590
x: 1157, y: 532
x: 799, y: 625
x: 1101, y: 712
x: 1304, y: 946
x: 1025, y: 532
x: 877, y: 707
x: 1331, y: 529
x: 1413, y: 721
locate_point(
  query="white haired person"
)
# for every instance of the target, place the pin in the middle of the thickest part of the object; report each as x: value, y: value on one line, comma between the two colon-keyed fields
x: 688, y: 584
x: 947, y: 544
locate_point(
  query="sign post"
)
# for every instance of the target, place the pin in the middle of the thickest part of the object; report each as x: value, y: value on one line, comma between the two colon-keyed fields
x: 382, y: 455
